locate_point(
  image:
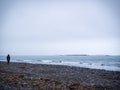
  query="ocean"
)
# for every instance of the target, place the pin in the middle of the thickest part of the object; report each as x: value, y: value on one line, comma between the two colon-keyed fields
x: 105, y: 62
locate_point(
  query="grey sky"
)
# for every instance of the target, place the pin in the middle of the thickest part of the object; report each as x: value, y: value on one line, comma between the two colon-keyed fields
x: 36, y: 27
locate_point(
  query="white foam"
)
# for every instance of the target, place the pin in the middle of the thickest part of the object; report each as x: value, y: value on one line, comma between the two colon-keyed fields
x: 47, y: 61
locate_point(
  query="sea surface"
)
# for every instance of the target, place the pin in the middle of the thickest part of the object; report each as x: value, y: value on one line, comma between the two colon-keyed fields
x: 105, y: 62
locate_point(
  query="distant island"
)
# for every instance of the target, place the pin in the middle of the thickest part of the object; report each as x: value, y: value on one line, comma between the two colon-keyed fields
x: 77, y: 55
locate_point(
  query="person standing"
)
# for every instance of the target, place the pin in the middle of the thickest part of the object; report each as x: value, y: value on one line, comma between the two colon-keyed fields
x: 8, y: 59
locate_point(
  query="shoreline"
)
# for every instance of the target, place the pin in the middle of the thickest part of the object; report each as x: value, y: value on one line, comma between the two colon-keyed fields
x: 89, y: 65
x: 60, y: 77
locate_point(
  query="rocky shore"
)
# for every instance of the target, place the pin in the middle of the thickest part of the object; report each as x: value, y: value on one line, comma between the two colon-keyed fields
x: 24, y: 76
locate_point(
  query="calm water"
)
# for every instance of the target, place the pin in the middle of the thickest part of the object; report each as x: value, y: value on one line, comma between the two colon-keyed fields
x: 111, y: 63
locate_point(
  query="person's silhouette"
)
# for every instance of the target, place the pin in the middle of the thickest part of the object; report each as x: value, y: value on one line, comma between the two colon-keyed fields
x: 8, y: 59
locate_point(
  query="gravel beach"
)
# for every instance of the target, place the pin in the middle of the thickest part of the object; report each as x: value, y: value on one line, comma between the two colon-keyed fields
x: 24, y: 76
